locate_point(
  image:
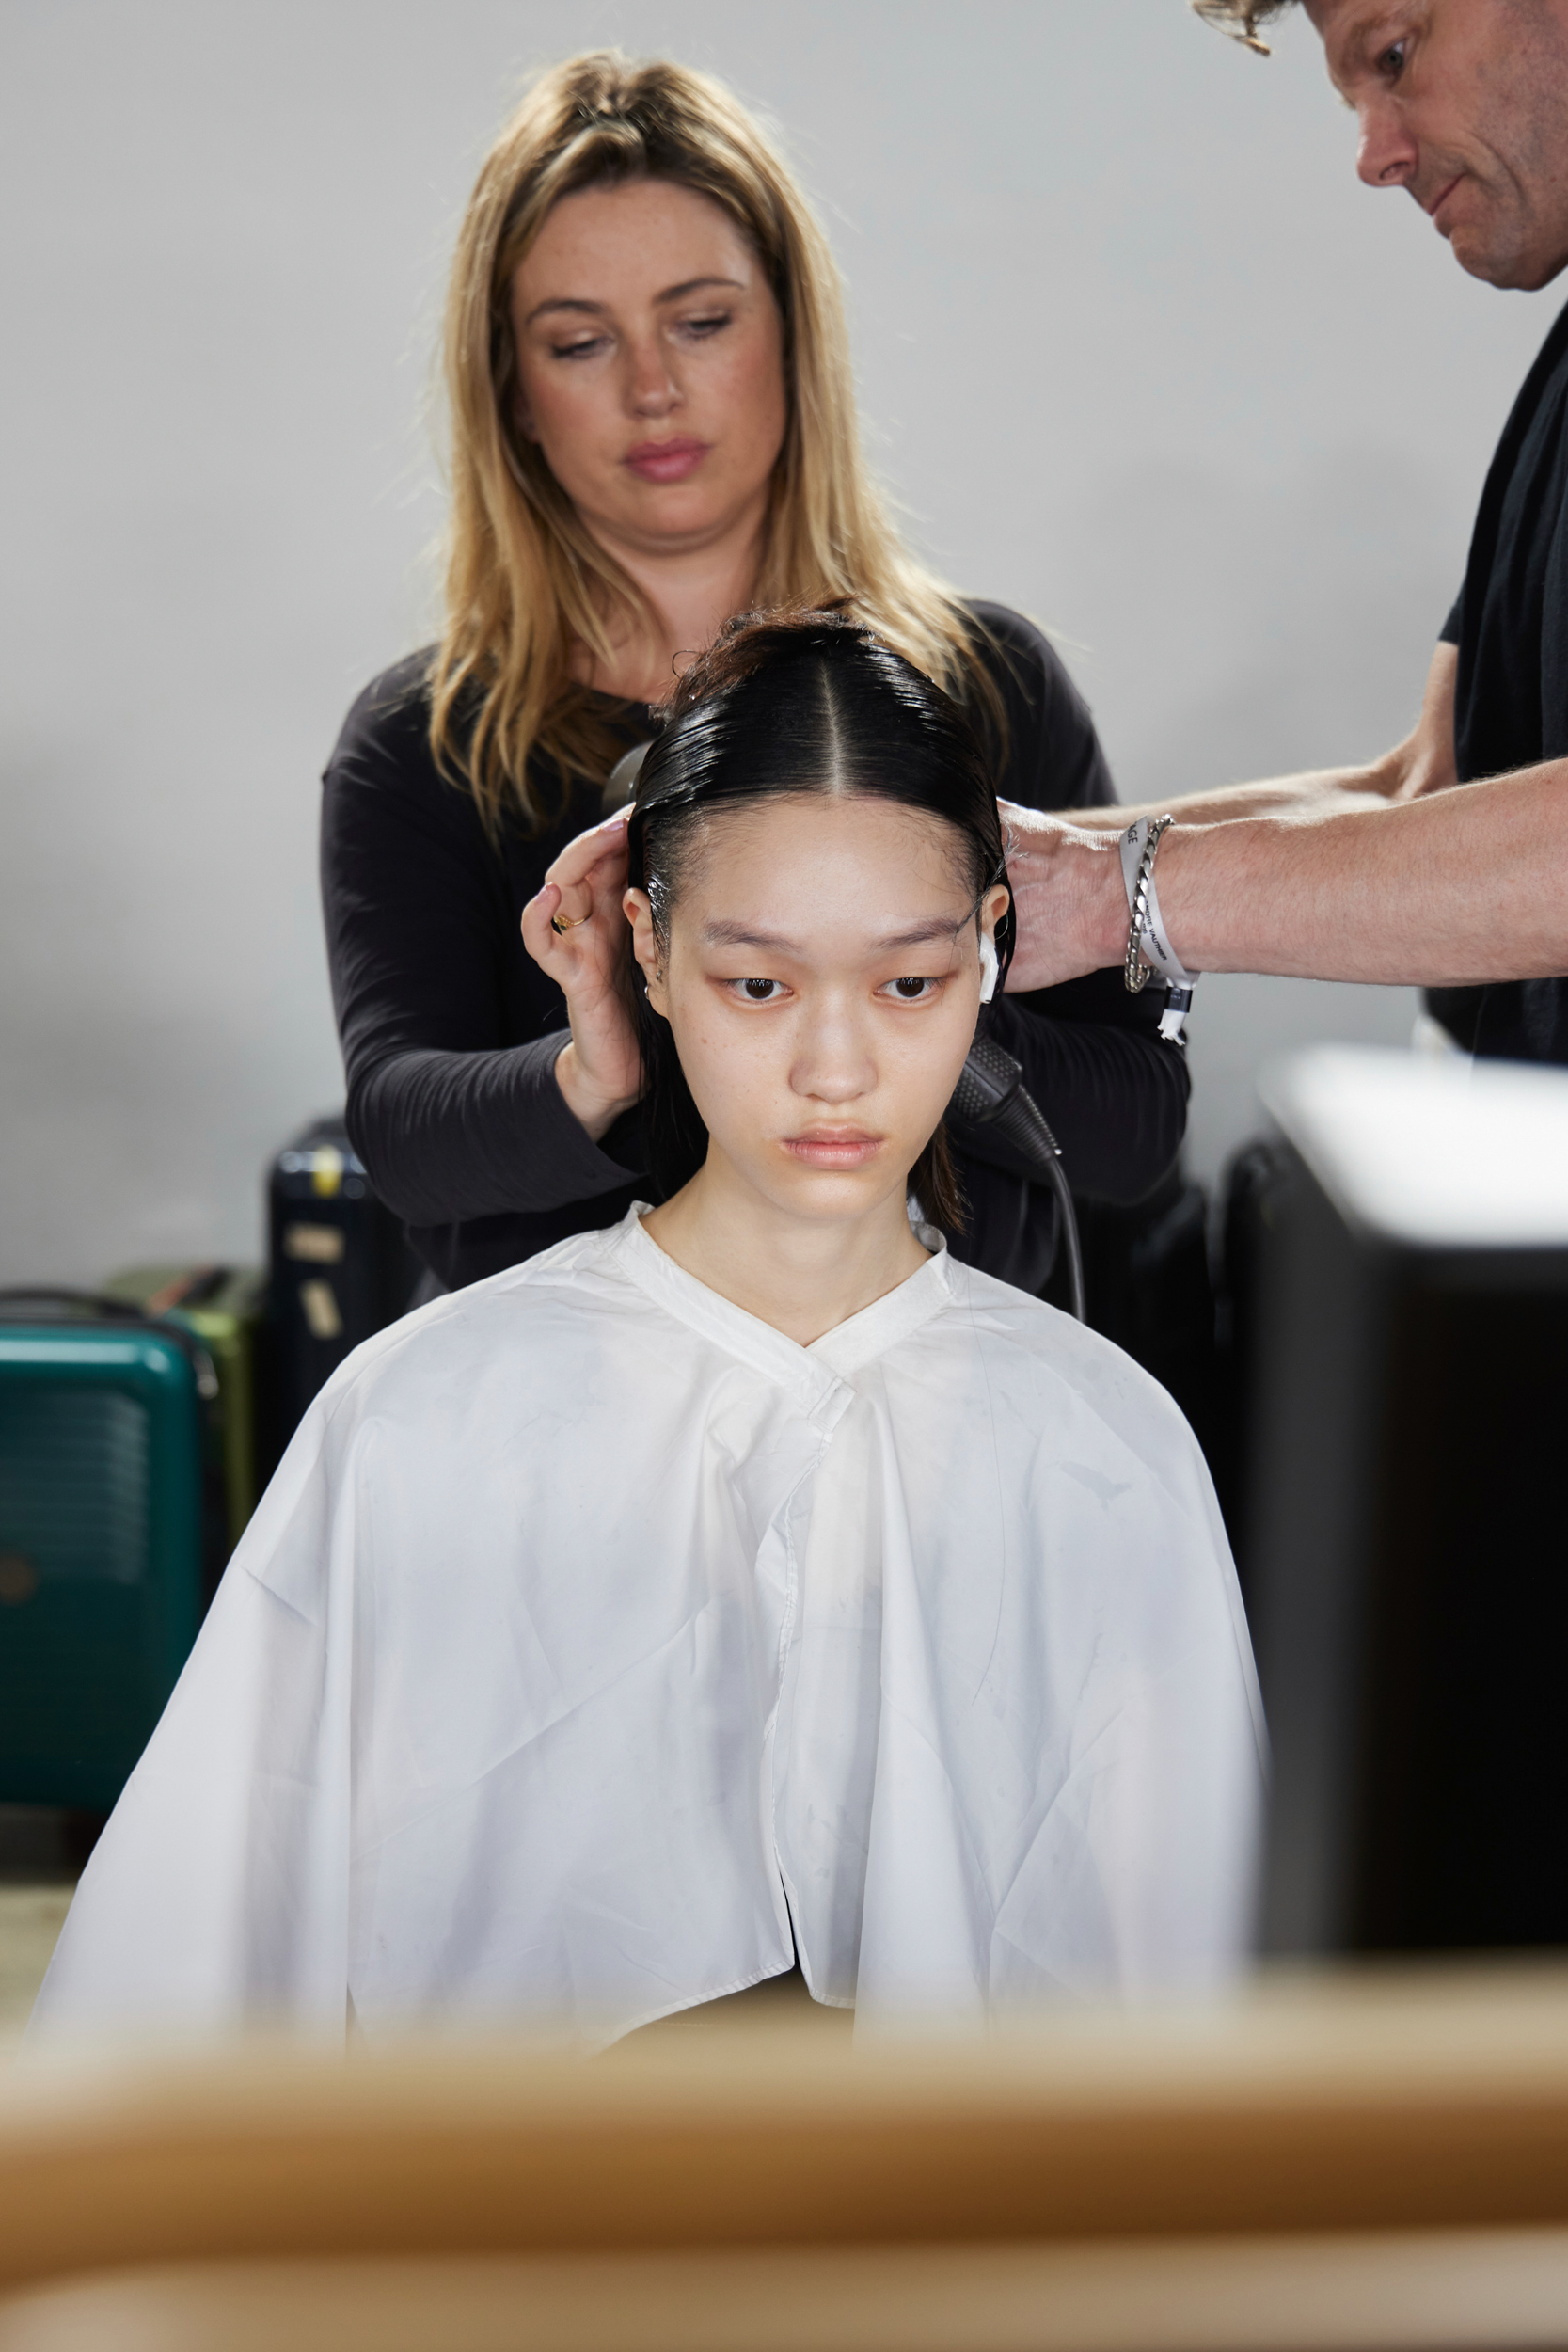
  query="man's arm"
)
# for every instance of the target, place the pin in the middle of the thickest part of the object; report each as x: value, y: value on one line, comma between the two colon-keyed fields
x: 1428, y: 888
x: 1446, y: 891
x: 1422, y: 763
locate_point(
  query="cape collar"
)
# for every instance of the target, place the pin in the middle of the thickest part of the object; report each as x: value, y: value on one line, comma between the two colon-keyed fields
x: 812, y: 1372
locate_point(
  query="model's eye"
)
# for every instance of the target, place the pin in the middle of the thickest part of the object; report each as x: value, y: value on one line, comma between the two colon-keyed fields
x: 761, y: 991
x: 909, y: 991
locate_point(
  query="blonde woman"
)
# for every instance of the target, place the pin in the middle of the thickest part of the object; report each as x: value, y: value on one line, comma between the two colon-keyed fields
x: 652, y: 428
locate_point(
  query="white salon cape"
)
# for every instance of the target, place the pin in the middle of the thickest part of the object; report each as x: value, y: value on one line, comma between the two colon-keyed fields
x: 596, y: 1649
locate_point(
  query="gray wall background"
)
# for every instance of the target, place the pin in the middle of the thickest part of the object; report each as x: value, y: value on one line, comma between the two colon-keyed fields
x: 1138, y: 354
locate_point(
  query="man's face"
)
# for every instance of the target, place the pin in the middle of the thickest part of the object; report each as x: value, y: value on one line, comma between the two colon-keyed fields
x: 1465, y: 102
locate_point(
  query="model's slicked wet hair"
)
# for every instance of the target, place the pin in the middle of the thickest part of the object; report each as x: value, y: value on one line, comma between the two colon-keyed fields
x: 799, y: 700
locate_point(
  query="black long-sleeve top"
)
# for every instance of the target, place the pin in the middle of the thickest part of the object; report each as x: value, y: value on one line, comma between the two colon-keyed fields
x: 451, y: 1031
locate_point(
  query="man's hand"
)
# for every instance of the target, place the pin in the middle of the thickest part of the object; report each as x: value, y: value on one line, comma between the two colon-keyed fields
x: 600, y: 1072
x: 1068, y: 894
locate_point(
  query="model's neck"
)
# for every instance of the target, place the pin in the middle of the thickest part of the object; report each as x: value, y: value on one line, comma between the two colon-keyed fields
x: 804, y: 1276
x: 691, y: 592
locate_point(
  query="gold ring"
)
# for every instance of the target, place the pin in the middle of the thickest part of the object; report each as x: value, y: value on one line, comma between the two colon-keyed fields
x: 561, y: 924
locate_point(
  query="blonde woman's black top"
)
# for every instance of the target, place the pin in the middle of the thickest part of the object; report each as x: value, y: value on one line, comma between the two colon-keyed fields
x: 451, y: 1031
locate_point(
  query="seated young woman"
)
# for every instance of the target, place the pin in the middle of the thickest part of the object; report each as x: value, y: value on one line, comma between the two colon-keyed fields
x: 750, y: 1582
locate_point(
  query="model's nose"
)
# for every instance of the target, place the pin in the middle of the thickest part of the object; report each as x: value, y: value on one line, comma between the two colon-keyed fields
x: 1386, y: 155
x: 832, y: 1063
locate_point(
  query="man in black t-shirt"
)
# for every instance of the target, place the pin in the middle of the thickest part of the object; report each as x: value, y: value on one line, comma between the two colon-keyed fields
x: 1386, y: 872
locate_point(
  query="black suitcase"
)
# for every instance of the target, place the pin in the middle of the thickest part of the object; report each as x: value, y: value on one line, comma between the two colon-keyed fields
x: 339, y: 1269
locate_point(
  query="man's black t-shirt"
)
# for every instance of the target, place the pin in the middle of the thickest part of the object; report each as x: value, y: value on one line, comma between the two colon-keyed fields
x: 1511, y: 707
x: 451, y: 1031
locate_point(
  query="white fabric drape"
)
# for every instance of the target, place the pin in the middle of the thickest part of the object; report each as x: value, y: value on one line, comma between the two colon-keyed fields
x: 596, y: 1646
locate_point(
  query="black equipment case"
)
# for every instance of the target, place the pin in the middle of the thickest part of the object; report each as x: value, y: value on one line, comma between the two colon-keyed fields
x: 340, y: 1267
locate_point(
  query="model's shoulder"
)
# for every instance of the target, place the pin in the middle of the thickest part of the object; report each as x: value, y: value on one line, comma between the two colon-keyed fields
x: 1040, y: 1347
x: 480, y: 1320
x: 978, y: 1301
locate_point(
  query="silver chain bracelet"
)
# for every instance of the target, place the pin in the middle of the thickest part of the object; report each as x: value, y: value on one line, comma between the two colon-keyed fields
x: 1136, y: 971
x: 1149, y: 948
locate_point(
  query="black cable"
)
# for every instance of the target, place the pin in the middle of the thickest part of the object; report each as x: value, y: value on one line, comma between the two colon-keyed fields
x: 990, y: 1092
x: 1020, y: 1230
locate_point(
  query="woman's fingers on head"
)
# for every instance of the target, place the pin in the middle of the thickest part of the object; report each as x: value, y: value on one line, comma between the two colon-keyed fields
x: 538, y: 938
x: 582, y: 951
x: 562, y: 905
x: 574, y: 920
x: 597, y: 857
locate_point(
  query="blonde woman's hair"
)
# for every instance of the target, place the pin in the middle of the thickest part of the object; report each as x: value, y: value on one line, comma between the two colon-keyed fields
x: 527, y: 585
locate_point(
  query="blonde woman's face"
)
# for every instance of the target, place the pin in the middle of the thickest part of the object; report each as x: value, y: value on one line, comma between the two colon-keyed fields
x: 650, y: 360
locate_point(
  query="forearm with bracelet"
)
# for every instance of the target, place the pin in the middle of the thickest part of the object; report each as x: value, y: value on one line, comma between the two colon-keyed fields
x: 1148, y: 947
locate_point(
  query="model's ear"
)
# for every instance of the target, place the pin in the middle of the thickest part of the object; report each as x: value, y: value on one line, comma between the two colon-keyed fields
x: 644, y: 946
x: 988, y: 967
x: 993, y: 906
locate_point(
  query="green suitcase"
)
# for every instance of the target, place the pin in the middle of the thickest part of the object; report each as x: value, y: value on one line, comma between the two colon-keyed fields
x: 102, y: 1567
x: 224, y: 1307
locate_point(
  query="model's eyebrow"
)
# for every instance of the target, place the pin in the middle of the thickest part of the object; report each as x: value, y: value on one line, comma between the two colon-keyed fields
x: 601, y: 310
x: 919, y: 935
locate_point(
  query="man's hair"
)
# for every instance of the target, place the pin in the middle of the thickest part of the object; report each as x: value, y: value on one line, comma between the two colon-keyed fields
x: 1241, y: 18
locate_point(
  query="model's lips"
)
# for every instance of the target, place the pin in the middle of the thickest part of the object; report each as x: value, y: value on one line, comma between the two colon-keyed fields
x: 666, y: 461
x: 827, y: 1146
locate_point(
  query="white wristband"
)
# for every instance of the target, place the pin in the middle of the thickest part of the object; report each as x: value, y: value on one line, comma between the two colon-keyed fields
x: 1138, y: 853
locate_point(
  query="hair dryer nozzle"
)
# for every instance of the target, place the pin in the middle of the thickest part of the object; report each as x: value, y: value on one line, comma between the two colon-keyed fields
x: 990, y: 1092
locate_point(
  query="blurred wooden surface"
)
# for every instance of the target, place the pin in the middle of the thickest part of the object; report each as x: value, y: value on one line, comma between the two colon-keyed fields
x: 31, y: 1918
x: 1385, y: 2104
x: 1255, y: 2294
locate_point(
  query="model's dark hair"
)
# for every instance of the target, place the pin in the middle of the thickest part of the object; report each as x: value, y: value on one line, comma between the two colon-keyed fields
x: 789, y: 702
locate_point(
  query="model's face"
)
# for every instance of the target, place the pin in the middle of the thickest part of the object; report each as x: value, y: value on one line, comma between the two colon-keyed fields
x: 1464, y: 103
x: 650, y: 360
x: 823, y: 980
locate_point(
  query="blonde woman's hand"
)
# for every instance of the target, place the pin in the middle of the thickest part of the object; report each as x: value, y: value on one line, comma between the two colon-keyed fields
x: 600, y: 1072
